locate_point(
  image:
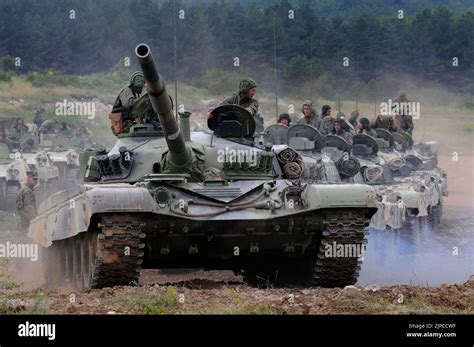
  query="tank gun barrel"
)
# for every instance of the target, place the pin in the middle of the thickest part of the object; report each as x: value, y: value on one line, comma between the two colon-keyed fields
x: 162, y: 105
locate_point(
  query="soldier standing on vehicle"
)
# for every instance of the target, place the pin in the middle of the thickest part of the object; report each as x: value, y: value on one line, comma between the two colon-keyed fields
x: 403, y: 118
x: 339, y: 131
x: 26, y: 201
x: 310, y: 116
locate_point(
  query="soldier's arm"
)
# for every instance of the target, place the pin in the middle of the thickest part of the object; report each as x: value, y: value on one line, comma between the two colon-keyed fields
x: 253, y: 107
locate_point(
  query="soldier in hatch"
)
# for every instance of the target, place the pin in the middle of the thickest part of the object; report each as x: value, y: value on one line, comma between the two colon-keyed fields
x: 339, y: 131
x: 284, y: 119
x: 16, y: 132
x: 327, y: 123
x: 403, y: 118
x: 245, y: 97
x: 310, y: 116
x: 64, y: 129
x: 364, y: 128
x: 384, y: 122
x: 121, y: 115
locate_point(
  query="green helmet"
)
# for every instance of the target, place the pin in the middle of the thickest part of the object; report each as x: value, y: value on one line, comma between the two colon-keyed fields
x: 247, y: 84
x: 137, y: 79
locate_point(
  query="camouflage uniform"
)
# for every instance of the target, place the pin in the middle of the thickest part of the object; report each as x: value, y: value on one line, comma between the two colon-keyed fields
x: 383, y: 122
x: 345, y: 135
x: 314, y: 120
x: 127, y: 98
x: 47, y: 126
x: 15, y: 135
x: 405, y: 123
x: 327, y: 125
x: 38, y: 116
x: 26, y: 207
x: 242, y: 99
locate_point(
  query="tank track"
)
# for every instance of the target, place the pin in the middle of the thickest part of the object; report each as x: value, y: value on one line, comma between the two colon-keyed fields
x: 115, y: 264
x: 342, y: 227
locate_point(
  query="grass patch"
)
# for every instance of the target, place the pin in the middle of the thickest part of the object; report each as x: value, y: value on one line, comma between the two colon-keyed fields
x: 161, y: 304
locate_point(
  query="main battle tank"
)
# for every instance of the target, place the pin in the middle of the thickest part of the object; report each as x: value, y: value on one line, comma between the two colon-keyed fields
x: 64, y: 154
x: 409, y: 187
x: 410, y: 184
x: 217, y: 200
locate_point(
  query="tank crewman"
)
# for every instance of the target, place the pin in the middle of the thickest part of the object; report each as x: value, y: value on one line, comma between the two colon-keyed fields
x: 48, y: 126
x: 339, y: 131
x: 121, y: 115
x: 17, y: 130
x: 284, y: 119
x: 403, y: 118
x: 364, y: 127
x: 354, y: 117
x: 384, y: 122
x: 327, y: 123
x: 38, y: 116
x: 26, y: 201
x: 245, y: 97
x: 310, y: 116
x: 64, y: 129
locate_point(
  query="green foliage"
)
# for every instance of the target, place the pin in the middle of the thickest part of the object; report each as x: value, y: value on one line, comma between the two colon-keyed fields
x: 161, y: 304
x: 40, y: 79
x: 214, y: 33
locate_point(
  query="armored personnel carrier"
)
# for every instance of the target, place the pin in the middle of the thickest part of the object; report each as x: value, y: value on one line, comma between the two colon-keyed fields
x: 408, y: 184
x: 173, y: 198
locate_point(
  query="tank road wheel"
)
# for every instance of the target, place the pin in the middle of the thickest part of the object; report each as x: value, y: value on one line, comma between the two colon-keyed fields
x: 11, y: 195
x: 88, y: 253
x: 346, y: 227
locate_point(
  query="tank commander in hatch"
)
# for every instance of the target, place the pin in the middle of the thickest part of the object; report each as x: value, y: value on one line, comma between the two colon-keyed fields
x: 310, y: 116
x: 121, y: 115
x: 245, y: 97
x: 284, y: 119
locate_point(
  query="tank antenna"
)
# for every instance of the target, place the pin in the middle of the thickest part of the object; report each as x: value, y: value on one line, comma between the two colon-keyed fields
x: 275, y: 67
x: 175, y: 67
